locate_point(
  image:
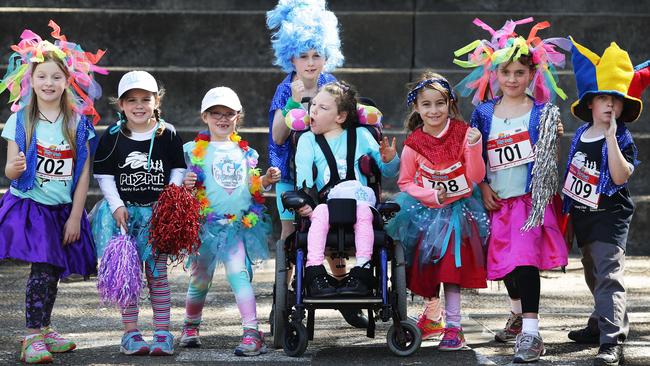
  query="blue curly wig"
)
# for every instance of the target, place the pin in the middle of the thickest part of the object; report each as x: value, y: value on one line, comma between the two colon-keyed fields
x: 303, y: 25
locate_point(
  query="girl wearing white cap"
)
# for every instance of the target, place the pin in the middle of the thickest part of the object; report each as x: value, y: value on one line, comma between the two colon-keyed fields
x: 230, y: 190
x: 136, y: 157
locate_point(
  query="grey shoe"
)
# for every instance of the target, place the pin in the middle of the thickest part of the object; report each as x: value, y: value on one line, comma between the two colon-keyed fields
x: 528, y: 348
x: 511, y: 330
x: 609, y: 355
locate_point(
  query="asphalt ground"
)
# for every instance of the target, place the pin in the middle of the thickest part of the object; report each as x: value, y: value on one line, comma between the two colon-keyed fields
x: 565, y: 305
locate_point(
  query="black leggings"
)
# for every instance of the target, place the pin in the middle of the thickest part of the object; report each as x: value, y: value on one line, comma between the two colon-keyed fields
x: 523, y: 283
x: 40, y: 294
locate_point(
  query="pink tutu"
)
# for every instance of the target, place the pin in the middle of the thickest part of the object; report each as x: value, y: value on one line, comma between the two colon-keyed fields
x: 509, y: 247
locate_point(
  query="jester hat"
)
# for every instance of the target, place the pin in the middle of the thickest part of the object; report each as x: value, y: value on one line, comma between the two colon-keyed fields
x: 302, y: 25
x: 83, y: 89
x: 612, y: 74
x: 485, y: 56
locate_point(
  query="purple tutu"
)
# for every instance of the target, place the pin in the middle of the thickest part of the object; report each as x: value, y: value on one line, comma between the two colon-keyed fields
x: 33, y: 232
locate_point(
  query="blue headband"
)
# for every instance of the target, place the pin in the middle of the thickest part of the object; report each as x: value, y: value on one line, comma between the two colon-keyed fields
x: 410, y: 97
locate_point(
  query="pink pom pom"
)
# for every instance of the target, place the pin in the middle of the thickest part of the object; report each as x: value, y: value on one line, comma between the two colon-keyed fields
x: 297, y: 119
x: 119, y: 274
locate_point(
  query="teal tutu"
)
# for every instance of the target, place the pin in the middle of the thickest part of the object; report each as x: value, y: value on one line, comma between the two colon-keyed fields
x: 218, y: 241
x: 434, y: 226
x: 104, y: 227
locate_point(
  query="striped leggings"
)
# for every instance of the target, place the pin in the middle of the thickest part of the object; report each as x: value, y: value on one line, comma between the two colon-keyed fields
x: 159, y: 294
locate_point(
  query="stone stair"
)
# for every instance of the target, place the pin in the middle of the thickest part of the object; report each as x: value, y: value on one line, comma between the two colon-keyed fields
x: 191, y: 46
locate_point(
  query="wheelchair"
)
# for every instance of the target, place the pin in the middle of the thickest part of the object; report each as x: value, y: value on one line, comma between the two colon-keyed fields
x: 387, y: 300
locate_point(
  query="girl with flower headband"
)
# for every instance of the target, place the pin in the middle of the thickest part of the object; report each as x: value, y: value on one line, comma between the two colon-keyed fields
x: 229, y: 187
x: 335, y: 126
x: 519, y: 141
x: 136, y: 157
x: 442, y: 224
x: 42, y: 217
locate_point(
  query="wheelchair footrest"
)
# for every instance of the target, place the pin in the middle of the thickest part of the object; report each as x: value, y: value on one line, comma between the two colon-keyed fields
x: 342, y: 300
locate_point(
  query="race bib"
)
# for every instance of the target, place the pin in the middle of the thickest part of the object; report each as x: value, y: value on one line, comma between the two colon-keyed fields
x: 452, y: 179
x: 580, y: 185
x: 54, y: 162
x: 509, y: 148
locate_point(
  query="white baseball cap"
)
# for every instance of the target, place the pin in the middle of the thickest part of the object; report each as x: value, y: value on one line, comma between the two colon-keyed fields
x: 137, y: 80
x: 221, y: 95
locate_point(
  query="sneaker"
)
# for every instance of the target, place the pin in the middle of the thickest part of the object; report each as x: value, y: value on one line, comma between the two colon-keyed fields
x: 55, y: 343
x: 133, y: 344
x: 609, y: 355
x: 511, y: 330
x: 585, y: 335
x: 357, y: 283
x: 162, y: 344
x: 430, y: 328
x: 355, y: 317
x: 318, y: 282
x: 528, y: 348
x: 252, y: 343
x: 453, y: 339
x: 34, y: 350
x: 190, y: 338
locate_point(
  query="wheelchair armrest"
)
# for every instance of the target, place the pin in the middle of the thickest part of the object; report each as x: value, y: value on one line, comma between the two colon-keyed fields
x: 293, y: 200
x: 388, y: 209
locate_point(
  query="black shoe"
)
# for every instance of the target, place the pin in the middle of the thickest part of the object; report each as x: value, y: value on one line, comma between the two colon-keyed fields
x: 357, y: 283
x: 318, y: 282
x: 355, y: 317
x: 585, y: 335
x: 609, y: 354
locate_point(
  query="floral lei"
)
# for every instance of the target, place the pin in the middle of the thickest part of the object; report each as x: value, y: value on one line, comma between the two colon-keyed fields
x: 251, y: 217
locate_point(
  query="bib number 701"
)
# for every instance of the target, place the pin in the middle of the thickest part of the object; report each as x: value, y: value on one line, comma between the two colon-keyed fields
x: 510, y: 153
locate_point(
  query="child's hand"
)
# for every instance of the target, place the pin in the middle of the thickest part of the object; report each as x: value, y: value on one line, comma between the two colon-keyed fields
x: 386, y: 151
x: 611, y: 130
x: 71, y: 230
x: 490, y: 199
x: 442, y: 194
x: 272, y: 175
x: 305, y: 211
x: 560, y: 128
x: 190, y: 180
x: 121, y: 216
x: 297, y: 90
x: 473, y: 135
x: 19, y: 163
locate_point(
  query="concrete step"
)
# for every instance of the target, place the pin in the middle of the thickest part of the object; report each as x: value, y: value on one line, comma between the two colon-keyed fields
x: 255, y: 86
x: 536, y: 6
x: 258, y: 139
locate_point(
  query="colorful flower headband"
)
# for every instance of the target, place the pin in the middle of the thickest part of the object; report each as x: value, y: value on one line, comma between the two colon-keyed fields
x: 80, y: 64
x: 410, y: 98
x: 506, y: 46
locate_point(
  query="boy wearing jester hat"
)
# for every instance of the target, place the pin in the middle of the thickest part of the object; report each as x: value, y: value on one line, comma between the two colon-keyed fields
x: 601, y: 160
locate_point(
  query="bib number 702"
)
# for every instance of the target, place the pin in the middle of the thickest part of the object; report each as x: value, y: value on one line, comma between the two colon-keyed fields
x: 50, y: 166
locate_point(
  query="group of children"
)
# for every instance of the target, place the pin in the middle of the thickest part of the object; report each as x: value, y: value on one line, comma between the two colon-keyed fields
x: 474, y: 201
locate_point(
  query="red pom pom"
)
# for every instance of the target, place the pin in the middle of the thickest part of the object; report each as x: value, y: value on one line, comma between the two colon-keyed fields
x: 243, y: 145
x: 175, y: 224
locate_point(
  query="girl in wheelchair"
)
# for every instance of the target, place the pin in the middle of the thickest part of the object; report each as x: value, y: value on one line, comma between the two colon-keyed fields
x: 335, y: 129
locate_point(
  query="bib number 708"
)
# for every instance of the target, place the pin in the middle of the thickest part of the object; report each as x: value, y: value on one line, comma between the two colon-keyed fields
x: 449, y: 186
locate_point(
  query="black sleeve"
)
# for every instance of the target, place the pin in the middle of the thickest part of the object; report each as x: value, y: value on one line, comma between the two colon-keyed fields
x: 105, y: 155
x: 177, y: 158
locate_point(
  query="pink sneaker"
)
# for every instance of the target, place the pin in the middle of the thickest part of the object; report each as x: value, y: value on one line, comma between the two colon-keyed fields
x: 252, y: 343
x: 452, y: 340
x: 34, y: 350
x: 55, y: 343
x: 430, y: 328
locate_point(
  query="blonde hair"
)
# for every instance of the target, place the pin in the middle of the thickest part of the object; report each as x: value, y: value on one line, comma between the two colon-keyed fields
x: 413, y: 121
x: 31, y: 115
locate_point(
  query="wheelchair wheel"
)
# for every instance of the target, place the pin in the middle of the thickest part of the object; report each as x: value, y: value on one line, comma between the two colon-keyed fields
x: 295, y: 339
x: 409, y: 344
x: 398, y: 280
x: 278, y: 309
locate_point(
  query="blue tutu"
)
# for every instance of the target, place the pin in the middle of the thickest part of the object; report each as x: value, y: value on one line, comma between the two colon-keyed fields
x: 434, y: 226
x: 218, y: 240
x: 104, y: 228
